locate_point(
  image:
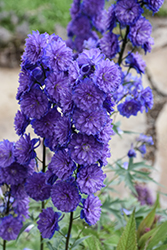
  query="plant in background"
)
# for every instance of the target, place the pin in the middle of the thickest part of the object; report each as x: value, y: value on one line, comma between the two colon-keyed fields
x: 69, y: 99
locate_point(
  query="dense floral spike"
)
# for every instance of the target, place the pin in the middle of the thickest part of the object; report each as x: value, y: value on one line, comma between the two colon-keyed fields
x: 6, y: 153
x: 34, y: 46
x: 140, y: 32
x: 85, y: 149
x: 24, y: 149
x: 90, y: 179
x: 91, y: 210
x: 10, y: 227
x: 134, y: 60
x: 34, y: 103
x: 61, y: 164
x: 48, y: 222
x: 90, y: 122
x: 127, y: 12
x: 36, y: 187
x: 109, y: 45
x: 65, y: 196
x: 153, y: 5
x: 107, y: 76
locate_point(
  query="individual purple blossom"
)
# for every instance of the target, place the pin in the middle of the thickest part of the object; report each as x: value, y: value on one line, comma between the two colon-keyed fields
x: 14, y: 174
x: 18, y: 191
x: 6, y: 153
x: 61, y: 164
x: 38, y: 74
x: 144, y: 196
x: 44, y: 127
x: 21, y: 207
x: 51, y: 178
x: 85, y: 149
x: 109, y: 103
x: 90, y: 179
x: 55, y: 82
x: 34, y: 103
x: 36, y: 187
x: 131, y: 152
x: 105, y: 134
x: 91, y: 43
x: 111, y: 19
x: 92, y: 7
x: 62, y: 131
x: 21, y: 121
x: 107, y: 76
x: 65, y: 196
x: 145, y: 139
x: 75, y: 8
x: 147, y: 45
x: 129, y: 107
x: 109, y: 44
x: 87, y: 96
x: 58, y: 56
x: 91, y: 209
x: 10, y: 227
x: 140, y: 32
x: 134, y: 60
x: 142, y: 149
x: 146, y: 98
x: 127, y: 12
x: 153, y: 5
x: 100, y: 20
x: 91, y: 57
x: 90, y: 122
x: 48, y: 222
x: 34, y: 46
x: 24, y: 149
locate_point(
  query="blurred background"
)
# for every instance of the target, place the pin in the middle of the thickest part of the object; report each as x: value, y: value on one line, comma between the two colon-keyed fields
x: 19, y: 17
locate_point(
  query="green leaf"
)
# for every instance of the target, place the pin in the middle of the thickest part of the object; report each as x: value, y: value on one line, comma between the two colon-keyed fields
x: 164, y: 247
x: 148, y: 220
x: 49, y: 245
x: 128, y: 238
x: 146, y: 237
x: 23, y: 228
x: 129, y: 182
x: 77, y: 242
x: 160, y: 235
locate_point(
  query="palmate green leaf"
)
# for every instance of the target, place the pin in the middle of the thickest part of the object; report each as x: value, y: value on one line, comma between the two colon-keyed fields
x: 128, y: 238
x: 129, y: 182
x: 160, y: 235
x: 139, y: 165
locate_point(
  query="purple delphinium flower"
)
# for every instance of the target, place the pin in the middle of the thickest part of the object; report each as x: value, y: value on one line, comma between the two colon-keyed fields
x: 21, y: 207
x: 48, y: 222
x: 36, y: 187
x: 90, y: 179
x: 24, y: 149
x: 146, y: 98
x: 34, y: 46
x: 147, y: 45
x: 111, y: 19
x: 58, y: 56
x: 109, y: 103
x: 132, y: 152
x: 44, y: 127
x: 92, y: 7
x: 87, y: 96
x: 75, y: 8
x: 90, y: 122
x: 34, y: 103
x: 142, y: 149
x: 109, y: 44
x: 79, y: 26
x: 106, y: 133
x: 127, y: 12
x: 145, y: 139
x: 153, y: 5
x: 140, y: 32
x: 65, y: 196
x: 91, y: 210
x: 61, y: 165
x: 14, y: 174
x: 55, y: 82
x: 85, y: 149
x: 10, y: 227
x: 18, y: 191
x: 107, y: 76
x: 6, y: 153
x: 136, y: 61
x: 129, y: 107
x: 144, y: 195
x: 21, y: 121
x: 91, y: 57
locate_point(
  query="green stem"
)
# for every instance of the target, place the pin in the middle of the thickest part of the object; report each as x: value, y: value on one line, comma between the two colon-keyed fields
x: 123, y: 46
x: 43, y: 203
x: 4, y: 244
x: 69, y: 230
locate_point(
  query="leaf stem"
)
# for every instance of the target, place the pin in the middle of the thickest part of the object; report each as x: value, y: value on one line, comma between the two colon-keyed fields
x: 123, y: 45
x: 4, y: 244
x: 69, y: 230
